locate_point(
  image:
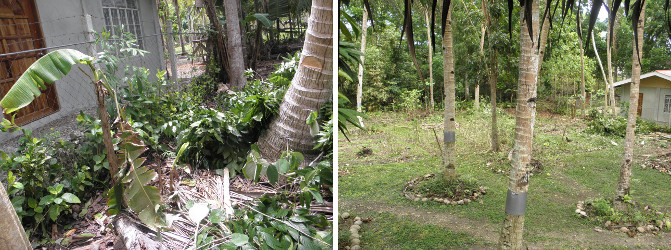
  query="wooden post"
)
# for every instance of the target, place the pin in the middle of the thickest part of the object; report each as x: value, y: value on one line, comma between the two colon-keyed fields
x: 12, y: 235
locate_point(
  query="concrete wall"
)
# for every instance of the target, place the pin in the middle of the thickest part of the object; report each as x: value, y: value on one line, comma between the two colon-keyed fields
x: 64, y: 22
x: 653, y: 90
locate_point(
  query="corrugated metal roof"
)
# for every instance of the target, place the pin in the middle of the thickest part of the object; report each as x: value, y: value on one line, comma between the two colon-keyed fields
x: 664, y: 74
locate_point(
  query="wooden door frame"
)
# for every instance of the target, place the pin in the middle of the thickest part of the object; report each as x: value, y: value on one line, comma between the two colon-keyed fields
x: 35, y: 22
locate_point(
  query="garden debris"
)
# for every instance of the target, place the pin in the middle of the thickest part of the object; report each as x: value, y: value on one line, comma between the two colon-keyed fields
x: 460, y: 197
x: 365, y: 151
x: 661, y: 163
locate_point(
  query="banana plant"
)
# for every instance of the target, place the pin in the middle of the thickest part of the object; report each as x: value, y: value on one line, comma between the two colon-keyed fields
x: 129, y: 181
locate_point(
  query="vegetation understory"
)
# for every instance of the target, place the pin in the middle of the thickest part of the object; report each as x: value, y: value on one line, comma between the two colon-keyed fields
x: 573, y: 164
x: 181, y: 144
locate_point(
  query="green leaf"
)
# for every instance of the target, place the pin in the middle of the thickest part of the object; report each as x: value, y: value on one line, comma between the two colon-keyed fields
x: 46, y: 70
x: 70, y: 198
x: 32, y: 203
x: 316, y: 195
x: 58, y: 188
x: 54, y: 212
x: 46, y: 200
x: 272, y: 174
x: 217, y: 216
x: 283, y: 166
x: 239, y: 239
x: 58, y: 200
x: 18, y: 185
x: 17, y: 201
x: 263, y: 18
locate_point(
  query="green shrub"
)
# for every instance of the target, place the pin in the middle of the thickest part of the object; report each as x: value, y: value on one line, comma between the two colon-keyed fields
x: 46, y: 176
x: 617, y: 125
x: 410, y: 100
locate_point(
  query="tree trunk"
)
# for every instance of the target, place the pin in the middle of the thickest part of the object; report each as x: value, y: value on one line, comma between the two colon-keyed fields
x: 630, y: 138
x: 12, y: 235
x: 411, y: 41
x: 476, y: 96
x: 493, y: 79
x: 428, y: 37
x: 311, y: 87
x: 603, y: 73
x: 513, y: 224
x: 449, y: 155
x: 219, y: 49
x: 359, y: 87
x: 483, y: 29
x: 258, y: 40
x: 234, y: 36
x: 179, y: 25
x: 611, y: 100
x: 467, y: 90
x: 583, y: 93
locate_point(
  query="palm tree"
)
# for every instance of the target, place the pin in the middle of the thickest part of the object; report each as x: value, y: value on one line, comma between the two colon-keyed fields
x: 625, y: 169
x: 513, y: 224
x: 359, y: 87
x: 449, y: 124
x: 311, y: 87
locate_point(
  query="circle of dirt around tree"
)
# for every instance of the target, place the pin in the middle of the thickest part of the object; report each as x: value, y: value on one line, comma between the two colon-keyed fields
x: 630, y: 218
x: 433, y: 187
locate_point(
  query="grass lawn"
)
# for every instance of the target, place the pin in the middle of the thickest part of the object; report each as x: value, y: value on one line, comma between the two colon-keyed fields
x: 575, y: 166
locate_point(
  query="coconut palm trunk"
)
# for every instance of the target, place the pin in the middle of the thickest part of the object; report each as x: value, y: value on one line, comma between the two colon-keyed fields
x: 583, y: 94
x: 513, y: 224
x: 449, y: 155
x: 12, y: 235
x: 235, y: 57
x: 359, y: 87
x: 428, y: 38
x: 630, y: 138
x: 310, y: 88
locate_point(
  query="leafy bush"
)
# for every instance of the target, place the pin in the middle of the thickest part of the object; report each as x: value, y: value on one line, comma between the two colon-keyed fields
x: 45, y: 176
x: 410, y: 100
x: 617, y: 126
x: 272, y: 223
x: 439, y: 186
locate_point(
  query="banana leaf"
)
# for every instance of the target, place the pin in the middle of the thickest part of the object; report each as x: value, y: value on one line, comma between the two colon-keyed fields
x: 46, y: 70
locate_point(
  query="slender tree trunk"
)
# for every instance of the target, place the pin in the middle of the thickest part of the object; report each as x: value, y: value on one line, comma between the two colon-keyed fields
x: 359, y: 87
x: 219, y: 50
x: 467, y: 90
x: 630, y: 138
x: 311, y: 87
x: 449, y: 155
x: 611, y: 103
x: 411, y: 40
x: 179, y: 25
x: 493, y: 79
x: 476, y: 96
x: 603, y: 73
x: 12, y: 235
x: 513, y: 224
x: 544, y: 40
x: 583, y: 93
x: 428, y: 37
x: 483, y: 29
x: 234, y: 36
x: 258, y: 39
